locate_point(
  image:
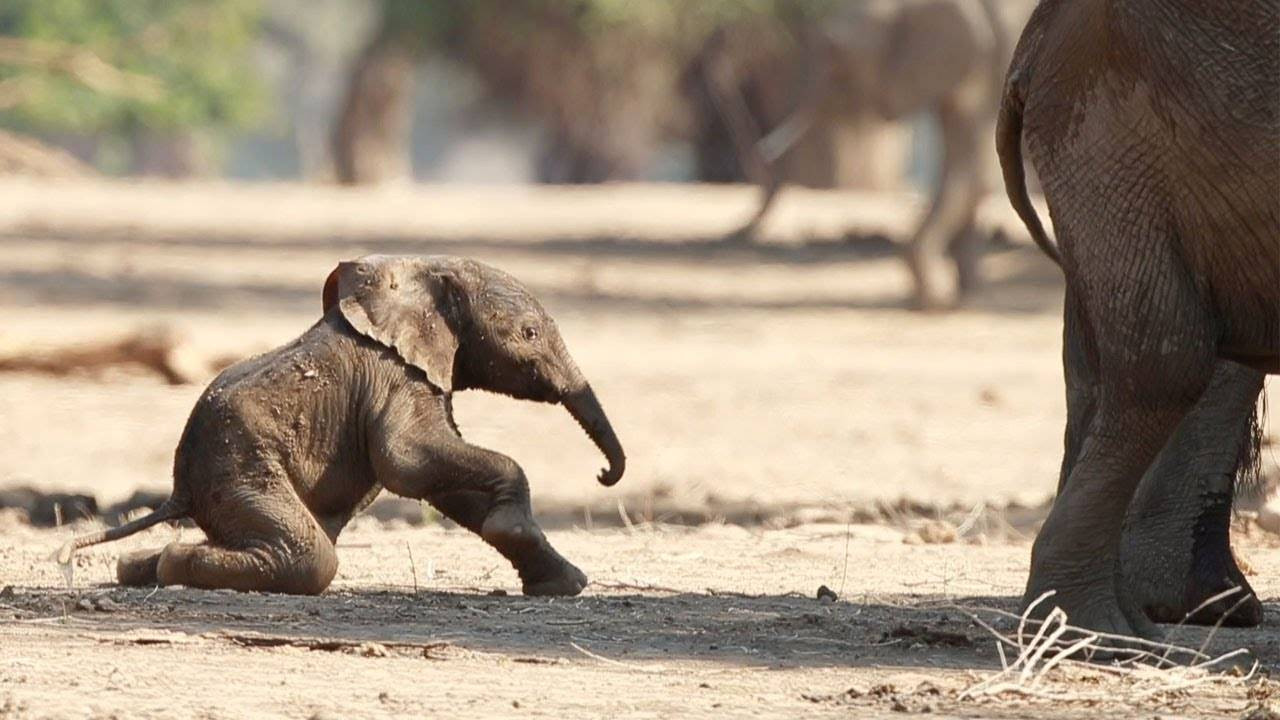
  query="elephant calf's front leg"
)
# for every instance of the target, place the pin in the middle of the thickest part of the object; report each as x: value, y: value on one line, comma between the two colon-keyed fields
x: 487, y: 493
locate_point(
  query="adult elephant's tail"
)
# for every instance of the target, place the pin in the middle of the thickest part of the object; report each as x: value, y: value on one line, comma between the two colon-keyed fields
x: 1009, y: 147
x: 1249, y: 477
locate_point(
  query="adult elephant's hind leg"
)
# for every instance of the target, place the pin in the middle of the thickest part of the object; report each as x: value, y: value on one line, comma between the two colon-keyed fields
x: 966, y: 250
x: 264, y: 543
x: 949, y: 219
x: 770, y: 188
x: 1154, y: 360
x: 1176, y: 553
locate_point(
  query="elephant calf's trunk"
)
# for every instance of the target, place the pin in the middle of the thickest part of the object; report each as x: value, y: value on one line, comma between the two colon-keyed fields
x: 585, y: 408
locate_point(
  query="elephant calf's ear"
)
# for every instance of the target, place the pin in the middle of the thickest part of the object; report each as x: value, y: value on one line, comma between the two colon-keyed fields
x: 401, y: 304
x: 330, y: 296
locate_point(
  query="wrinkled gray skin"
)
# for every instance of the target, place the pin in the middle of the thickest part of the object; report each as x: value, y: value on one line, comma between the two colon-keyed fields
x: 1175, y: 553
x: 283, y: 449
x: 893, y: 59
x: 1155, y: 130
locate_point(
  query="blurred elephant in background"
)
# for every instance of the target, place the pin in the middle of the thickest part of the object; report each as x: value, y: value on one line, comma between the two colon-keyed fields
x: 891, y: 59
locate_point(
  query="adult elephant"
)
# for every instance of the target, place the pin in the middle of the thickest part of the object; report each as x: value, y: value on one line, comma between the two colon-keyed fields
x: 1155, y: 128
x: 891, y: 59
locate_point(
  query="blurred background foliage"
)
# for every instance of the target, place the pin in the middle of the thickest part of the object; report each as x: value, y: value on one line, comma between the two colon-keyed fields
x: 374, y: 91
x: 128, y: 69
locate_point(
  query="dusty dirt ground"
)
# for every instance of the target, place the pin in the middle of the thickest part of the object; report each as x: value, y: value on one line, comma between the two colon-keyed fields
x: 766, y: 397
x: 709, y: 621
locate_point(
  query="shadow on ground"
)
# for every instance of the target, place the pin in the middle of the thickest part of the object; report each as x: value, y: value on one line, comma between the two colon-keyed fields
x: 1008, y: 521
x: 1029, y: 285
x: 770, y: 631
x: 773, y: 632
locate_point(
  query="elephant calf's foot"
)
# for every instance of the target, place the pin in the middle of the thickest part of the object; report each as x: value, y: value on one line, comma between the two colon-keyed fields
x: 567, y: 580
x: 138, y: 568
x: 542, y: 570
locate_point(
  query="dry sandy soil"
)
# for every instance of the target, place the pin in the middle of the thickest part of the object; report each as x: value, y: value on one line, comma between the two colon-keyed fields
x: 766, y: 397
x: 709, y: 621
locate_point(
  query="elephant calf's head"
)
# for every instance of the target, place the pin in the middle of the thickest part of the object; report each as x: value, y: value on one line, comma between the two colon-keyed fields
x: 469, y: 326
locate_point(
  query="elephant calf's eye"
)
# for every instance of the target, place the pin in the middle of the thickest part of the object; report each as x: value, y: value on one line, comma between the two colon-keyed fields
x: 530, y: 333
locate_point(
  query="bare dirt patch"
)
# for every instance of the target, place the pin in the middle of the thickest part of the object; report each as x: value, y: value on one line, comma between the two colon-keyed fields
x: 704, y: 622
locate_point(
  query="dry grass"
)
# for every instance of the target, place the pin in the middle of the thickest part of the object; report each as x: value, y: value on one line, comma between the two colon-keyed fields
x: 1057, y: 661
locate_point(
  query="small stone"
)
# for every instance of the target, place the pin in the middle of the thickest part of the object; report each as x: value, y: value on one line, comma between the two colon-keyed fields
x: 1269, y: 515
x: 106, y: 604
x: 372, y: 649
x: 498, y: 592
x: 85, y: 604
x: 934, y: 532
x: 826, y: 594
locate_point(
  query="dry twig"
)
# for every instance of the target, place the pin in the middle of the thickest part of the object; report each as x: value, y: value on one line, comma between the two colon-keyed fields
x: 79, y: 64
x: 1145, y: 672
x: 616, y: 663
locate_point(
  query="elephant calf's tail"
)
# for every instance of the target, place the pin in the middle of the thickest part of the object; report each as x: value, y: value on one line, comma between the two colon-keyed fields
x: 1009, y: 147
x: 168, y: 510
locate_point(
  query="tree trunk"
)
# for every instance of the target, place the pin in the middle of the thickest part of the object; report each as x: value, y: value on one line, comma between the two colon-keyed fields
x: 371, y: 139
x: 174, y: 154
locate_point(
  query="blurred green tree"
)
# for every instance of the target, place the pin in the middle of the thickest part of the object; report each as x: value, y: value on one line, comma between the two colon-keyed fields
x: 151, y: 72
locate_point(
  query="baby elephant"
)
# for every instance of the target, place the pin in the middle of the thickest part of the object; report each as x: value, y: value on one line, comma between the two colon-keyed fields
x: 283, y: 449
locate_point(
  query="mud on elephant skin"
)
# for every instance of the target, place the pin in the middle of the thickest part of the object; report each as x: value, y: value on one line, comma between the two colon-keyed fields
x: 1155, y: 132
x: 283, y: 449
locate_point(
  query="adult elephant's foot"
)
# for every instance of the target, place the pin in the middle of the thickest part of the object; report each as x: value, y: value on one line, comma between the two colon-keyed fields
x: 1078, y: 574
x: 929, y: 302
x: 1177, y: 559
x: 744, y: 236
x: 1095, y: 608
x: 1219, y: 592
x: 933, y: 291
x: 1214, y: 591
x: 968, y: 270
